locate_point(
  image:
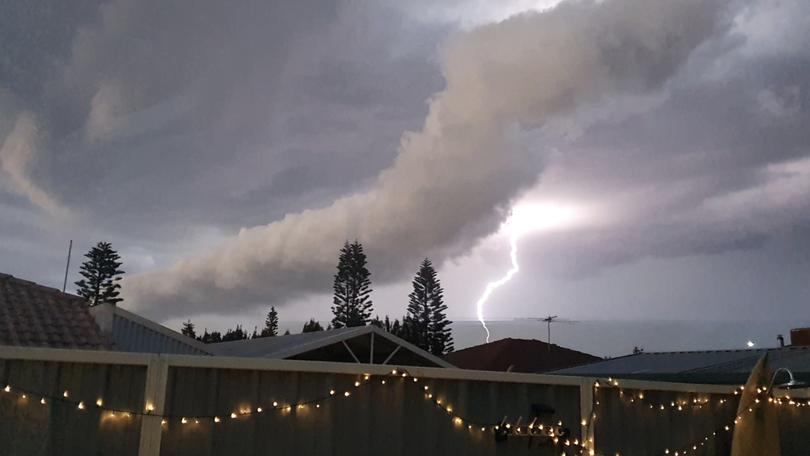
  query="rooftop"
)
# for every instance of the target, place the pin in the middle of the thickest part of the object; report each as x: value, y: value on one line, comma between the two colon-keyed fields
x: 518, y: 355
x: 708, y: 366
x: 361, y: 344
x: 38, y: 316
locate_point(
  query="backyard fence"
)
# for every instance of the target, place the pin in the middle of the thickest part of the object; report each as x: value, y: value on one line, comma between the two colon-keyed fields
x: 86, y: 402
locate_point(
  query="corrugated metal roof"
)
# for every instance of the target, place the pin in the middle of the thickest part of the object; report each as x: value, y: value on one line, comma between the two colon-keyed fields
x: 297, y: 345
x: 715, y: 366
x: 279, y: 347
x: 133, y: 333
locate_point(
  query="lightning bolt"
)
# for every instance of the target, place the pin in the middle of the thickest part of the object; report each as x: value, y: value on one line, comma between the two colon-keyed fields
x: 492, y: 286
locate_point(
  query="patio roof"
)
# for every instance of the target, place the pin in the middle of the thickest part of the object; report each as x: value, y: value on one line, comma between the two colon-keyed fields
x: 361, y: 344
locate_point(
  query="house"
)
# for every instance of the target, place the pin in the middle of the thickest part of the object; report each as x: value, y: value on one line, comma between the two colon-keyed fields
x: 32, y: 315
x: 35, y: 315
x: 518, y: 355
x: 709, y: 366
x: 362, y: 344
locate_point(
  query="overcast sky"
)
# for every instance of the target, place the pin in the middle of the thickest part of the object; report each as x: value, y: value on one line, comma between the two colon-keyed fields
x: 658, y: 153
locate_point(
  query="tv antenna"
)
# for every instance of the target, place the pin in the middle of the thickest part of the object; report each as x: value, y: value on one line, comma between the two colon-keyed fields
x: 549, y: 320
x: 67, y: 266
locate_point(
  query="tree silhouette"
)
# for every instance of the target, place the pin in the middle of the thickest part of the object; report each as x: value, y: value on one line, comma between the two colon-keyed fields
x: 352, y: 288
x: 188, y: 329
x: 101, y: 275
x: 426, y: 324
x: 270, y: 324
x: 312, y: 326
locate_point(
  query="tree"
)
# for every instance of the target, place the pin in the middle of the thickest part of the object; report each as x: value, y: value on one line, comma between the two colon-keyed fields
x: 101, y: 275
x: 393, y: 327
x: 188, y: 329
x: 352, y: 287
x: 234, y: 334
x: 396, y: 329
x: 425, y: 324
x: 210, y: 338
x: 312, y: 326
x: 270, y: 324
x: 377, y: 322
x: 286, y: 333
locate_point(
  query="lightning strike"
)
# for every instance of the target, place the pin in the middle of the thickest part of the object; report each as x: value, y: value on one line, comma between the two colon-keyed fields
x: 526, y: 218
x: 492, y: 286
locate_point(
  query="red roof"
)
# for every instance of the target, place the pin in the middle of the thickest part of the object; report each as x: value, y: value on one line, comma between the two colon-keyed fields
x: 523, y: 355
x: 38, y: 316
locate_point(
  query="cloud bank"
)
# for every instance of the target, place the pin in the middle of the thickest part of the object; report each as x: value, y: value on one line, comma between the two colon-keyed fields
x: 453, y: 181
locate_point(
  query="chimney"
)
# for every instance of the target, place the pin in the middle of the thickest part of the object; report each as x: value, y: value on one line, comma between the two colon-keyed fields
x: 800, y: 337
x: 781, y: 340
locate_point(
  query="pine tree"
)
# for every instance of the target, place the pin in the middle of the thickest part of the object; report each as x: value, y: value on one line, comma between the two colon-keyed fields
x: 352, y: 287
x: 396, y: 329
x: 286, y: 333
x: 270, y: 324
x: 101, y: 275
x: 188, y: 329
x: 234, y: 334
x: 210, y: 338
x: 426, y: 324
x: 312, y: 326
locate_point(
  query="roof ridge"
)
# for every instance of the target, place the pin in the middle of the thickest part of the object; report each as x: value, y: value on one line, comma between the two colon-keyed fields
x: 44, y: 288
x: 729, y: 350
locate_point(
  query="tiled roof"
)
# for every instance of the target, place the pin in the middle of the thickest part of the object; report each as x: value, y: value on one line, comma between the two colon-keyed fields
x: 518, y: 355
x: 38, y: 316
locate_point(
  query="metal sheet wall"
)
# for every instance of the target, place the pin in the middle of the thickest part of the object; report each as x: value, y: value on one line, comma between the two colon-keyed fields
x: 58, y: 428
x: 393, y: 418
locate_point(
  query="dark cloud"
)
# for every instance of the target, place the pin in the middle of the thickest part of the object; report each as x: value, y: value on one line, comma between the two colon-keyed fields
x: 167, y: 128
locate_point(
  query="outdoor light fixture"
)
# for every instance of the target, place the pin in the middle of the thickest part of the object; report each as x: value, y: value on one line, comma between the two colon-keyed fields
x: 790, y: 384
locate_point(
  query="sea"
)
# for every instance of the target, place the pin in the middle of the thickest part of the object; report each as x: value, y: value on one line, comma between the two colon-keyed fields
x: 611, y: 338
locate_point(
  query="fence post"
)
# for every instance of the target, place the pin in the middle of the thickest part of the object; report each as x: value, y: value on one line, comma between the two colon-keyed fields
x: 157, y: 373
x: 587, y: 422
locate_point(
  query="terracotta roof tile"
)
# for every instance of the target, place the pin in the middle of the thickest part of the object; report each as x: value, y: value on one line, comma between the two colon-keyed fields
x: 523, y: 355
x: 38, y: 316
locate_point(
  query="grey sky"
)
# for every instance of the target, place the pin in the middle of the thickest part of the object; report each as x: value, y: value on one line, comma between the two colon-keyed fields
x: 168, y: 129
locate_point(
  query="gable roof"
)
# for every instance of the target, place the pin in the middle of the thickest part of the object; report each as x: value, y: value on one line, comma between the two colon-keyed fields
x: 344, y: 344
x: 38, y: 316
x: 518, y: 355
x: 708, y: 366
x: 132, y: 333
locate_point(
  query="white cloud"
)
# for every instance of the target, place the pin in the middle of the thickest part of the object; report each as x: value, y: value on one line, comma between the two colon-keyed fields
x: 18, y: 154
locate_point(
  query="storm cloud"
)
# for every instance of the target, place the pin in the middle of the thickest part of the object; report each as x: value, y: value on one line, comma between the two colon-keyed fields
x: 453, y: 180
x: 229, y: 152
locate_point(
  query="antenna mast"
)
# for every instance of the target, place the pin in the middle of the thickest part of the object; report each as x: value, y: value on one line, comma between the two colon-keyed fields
x: 548, y: 321
x: 67, y: 266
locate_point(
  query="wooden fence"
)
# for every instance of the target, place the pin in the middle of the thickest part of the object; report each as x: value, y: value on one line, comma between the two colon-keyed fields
x: 69, y: 402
